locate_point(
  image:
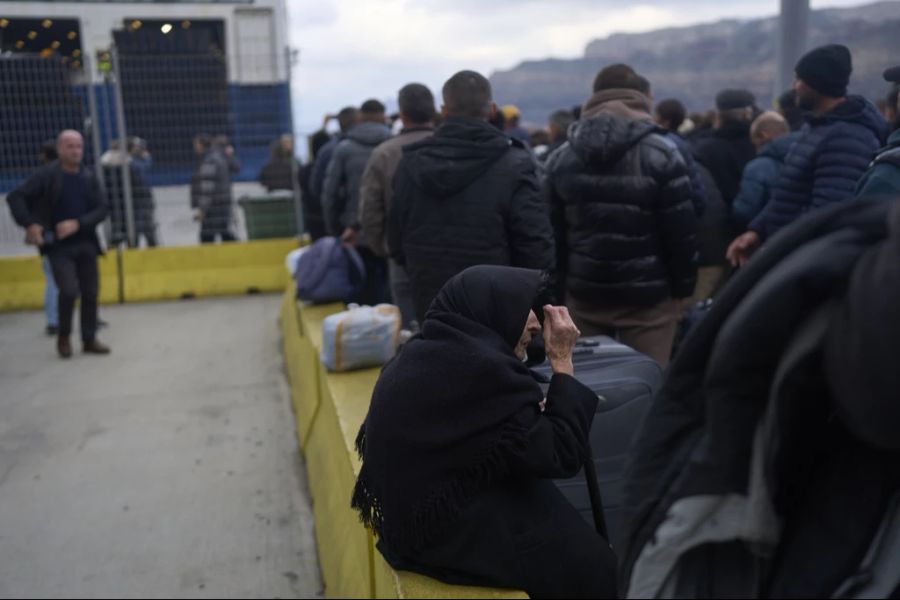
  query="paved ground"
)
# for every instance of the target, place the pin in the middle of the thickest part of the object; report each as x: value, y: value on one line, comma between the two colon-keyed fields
x: 169, y: 469
x: 173, y: 216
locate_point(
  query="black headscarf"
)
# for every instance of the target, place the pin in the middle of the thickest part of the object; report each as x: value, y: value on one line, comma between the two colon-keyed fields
x: 450, y: 413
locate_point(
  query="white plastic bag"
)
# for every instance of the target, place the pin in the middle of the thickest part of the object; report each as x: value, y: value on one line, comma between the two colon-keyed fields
x: 360, y: 337
x: 292, y: 258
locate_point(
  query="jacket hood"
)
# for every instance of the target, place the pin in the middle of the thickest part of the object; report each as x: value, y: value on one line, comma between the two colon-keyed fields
x: 459, y: 152
x: 855, y: 109
x: 613, y: 121
x: 606, y: 138
x: 779, y: 147
x: 369, y: 134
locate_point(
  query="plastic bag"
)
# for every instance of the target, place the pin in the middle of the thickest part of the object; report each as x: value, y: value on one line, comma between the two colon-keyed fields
x: 361, y: 337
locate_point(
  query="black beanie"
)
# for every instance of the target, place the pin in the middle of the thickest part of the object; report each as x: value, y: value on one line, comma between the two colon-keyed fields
x: 826, y: 69
x: 732, y: 99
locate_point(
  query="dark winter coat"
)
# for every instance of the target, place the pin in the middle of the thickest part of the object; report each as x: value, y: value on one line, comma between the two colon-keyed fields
x: 621, y: 206
x: 457, y: 455
x: 211, y: 190
x: 831, y: 153
x: 279, y: 173
x: 746, y: 420
x: 340, y: 194
x: 758, y: 180
x: 466, y: 196
x: 141, y: 196
x: 698, y: 190
x: 32, y: 203
x: 883, y: 176
x: 725, y: 154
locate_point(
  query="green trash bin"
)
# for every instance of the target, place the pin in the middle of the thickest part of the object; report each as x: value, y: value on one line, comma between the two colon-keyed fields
x: 270, y: 215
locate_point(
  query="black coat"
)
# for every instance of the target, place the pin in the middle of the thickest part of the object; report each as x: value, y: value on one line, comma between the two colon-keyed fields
x: 621, y: 206
x: 725, y: 154
x: 831, y: 153
x: 466, y: 196
x: 141, y: 197
x: 457, y: 455
x: 758, y: 355
x: 32, y: 203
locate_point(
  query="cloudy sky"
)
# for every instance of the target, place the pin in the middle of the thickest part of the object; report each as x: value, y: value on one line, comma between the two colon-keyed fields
x: 351, y: 50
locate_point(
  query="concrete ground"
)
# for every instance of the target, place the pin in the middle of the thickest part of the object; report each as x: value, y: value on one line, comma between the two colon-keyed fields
x: 168, y: 469
x: 175, y: 224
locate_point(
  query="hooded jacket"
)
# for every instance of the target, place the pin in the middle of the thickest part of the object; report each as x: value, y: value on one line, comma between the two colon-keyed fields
x: 621, y: 207
x: 831, y: 153
x: 340, y: 194
x: 758, y: 180
x: 466, y: 196
x: 883, y: 176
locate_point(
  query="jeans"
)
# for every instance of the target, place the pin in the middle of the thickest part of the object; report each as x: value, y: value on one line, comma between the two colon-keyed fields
x: 51, y: 294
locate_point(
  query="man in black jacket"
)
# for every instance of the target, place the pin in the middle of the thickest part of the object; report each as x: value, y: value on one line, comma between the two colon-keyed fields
x: 60, y: 206
x: 729, y: 148
x: 467, y: 196
x: 625, y: 225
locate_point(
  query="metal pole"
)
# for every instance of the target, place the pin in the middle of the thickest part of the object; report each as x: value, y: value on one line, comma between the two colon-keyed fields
x: 123, y: 146
x: 793, y: 31
x: 95, y: 124
x: 295, y: 175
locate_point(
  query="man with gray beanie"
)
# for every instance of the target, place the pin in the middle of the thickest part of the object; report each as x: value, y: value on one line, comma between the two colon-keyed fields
x: 831, y: 153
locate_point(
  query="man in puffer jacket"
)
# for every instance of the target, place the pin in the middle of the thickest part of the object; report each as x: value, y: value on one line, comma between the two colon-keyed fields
x: 625, y: 225
x: 831, y: 153
x: 883, y: 176
x: 770, y: 133
x: 468, y: 195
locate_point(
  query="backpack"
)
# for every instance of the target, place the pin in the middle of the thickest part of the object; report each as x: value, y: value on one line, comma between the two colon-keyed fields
x: 329, y: 272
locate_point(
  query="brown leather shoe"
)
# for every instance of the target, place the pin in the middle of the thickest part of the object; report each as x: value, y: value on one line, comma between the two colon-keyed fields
x: 95, y: 347
x: 64, y: 347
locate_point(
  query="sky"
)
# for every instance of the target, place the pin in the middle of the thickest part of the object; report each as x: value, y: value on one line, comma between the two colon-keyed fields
x: 352, y: 50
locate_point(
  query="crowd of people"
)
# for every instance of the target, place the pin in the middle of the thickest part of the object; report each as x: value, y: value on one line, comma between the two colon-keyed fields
x: 614, y: 221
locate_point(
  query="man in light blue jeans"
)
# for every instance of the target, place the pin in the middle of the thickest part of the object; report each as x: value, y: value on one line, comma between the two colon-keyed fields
x: 51, y: 298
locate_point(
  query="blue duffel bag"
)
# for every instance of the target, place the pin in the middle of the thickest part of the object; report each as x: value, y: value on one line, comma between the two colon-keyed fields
x: 329, y: 272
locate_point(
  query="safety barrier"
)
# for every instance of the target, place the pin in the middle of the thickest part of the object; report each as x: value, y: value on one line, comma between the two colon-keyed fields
x: 329, y: 409
x: 164, y: 273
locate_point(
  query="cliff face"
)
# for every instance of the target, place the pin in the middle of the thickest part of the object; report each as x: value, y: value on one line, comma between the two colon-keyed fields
x: 694, y: 63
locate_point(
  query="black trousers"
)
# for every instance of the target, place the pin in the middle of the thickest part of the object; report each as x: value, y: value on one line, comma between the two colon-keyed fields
x: 75, y: 271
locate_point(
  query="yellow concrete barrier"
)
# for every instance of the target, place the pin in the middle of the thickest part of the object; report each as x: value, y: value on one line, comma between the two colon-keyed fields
x: 329, y: 408
x: 162, y: 273
x: 168, y: 273
x: 22, y: 282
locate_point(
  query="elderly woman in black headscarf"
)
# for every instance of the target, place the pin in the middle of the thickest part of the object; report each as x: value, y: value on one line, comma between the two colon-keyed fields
x: 459, y: 446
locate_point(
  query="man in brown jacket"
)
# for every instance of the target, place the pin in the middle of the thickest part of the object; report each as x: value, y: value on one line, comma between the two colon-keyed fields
x: 417, y: 114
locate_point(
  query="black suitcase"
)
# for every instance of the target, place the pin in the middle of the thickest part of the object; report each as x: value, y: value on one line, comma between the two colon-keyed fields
x: 626, y: 381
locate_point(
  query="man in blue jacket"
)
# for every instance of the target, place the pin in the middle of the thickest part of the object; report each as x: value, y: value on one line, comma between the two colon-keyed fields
x: 831, y: 153
x: 883, y: 176
x: 770, y: 133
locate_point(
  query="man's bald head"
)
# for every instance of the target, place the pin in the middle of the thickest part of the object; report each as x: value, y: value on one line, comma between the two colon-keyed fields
x: 70, y: 148
x: 767, y: 127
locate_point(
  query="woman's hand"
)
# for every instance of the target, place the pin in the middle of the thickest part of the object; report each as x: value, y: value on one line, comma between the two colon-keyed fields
x: 560, y: 335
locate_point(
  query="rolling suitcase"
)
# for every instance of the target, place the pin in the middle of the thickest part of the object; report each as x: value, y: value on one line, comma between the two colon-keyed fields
x: 625, y: 380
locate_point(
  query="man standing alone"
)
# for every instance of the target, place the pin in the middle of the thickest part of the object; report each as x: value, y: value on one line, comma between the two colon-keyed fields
x: 60, y: 206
